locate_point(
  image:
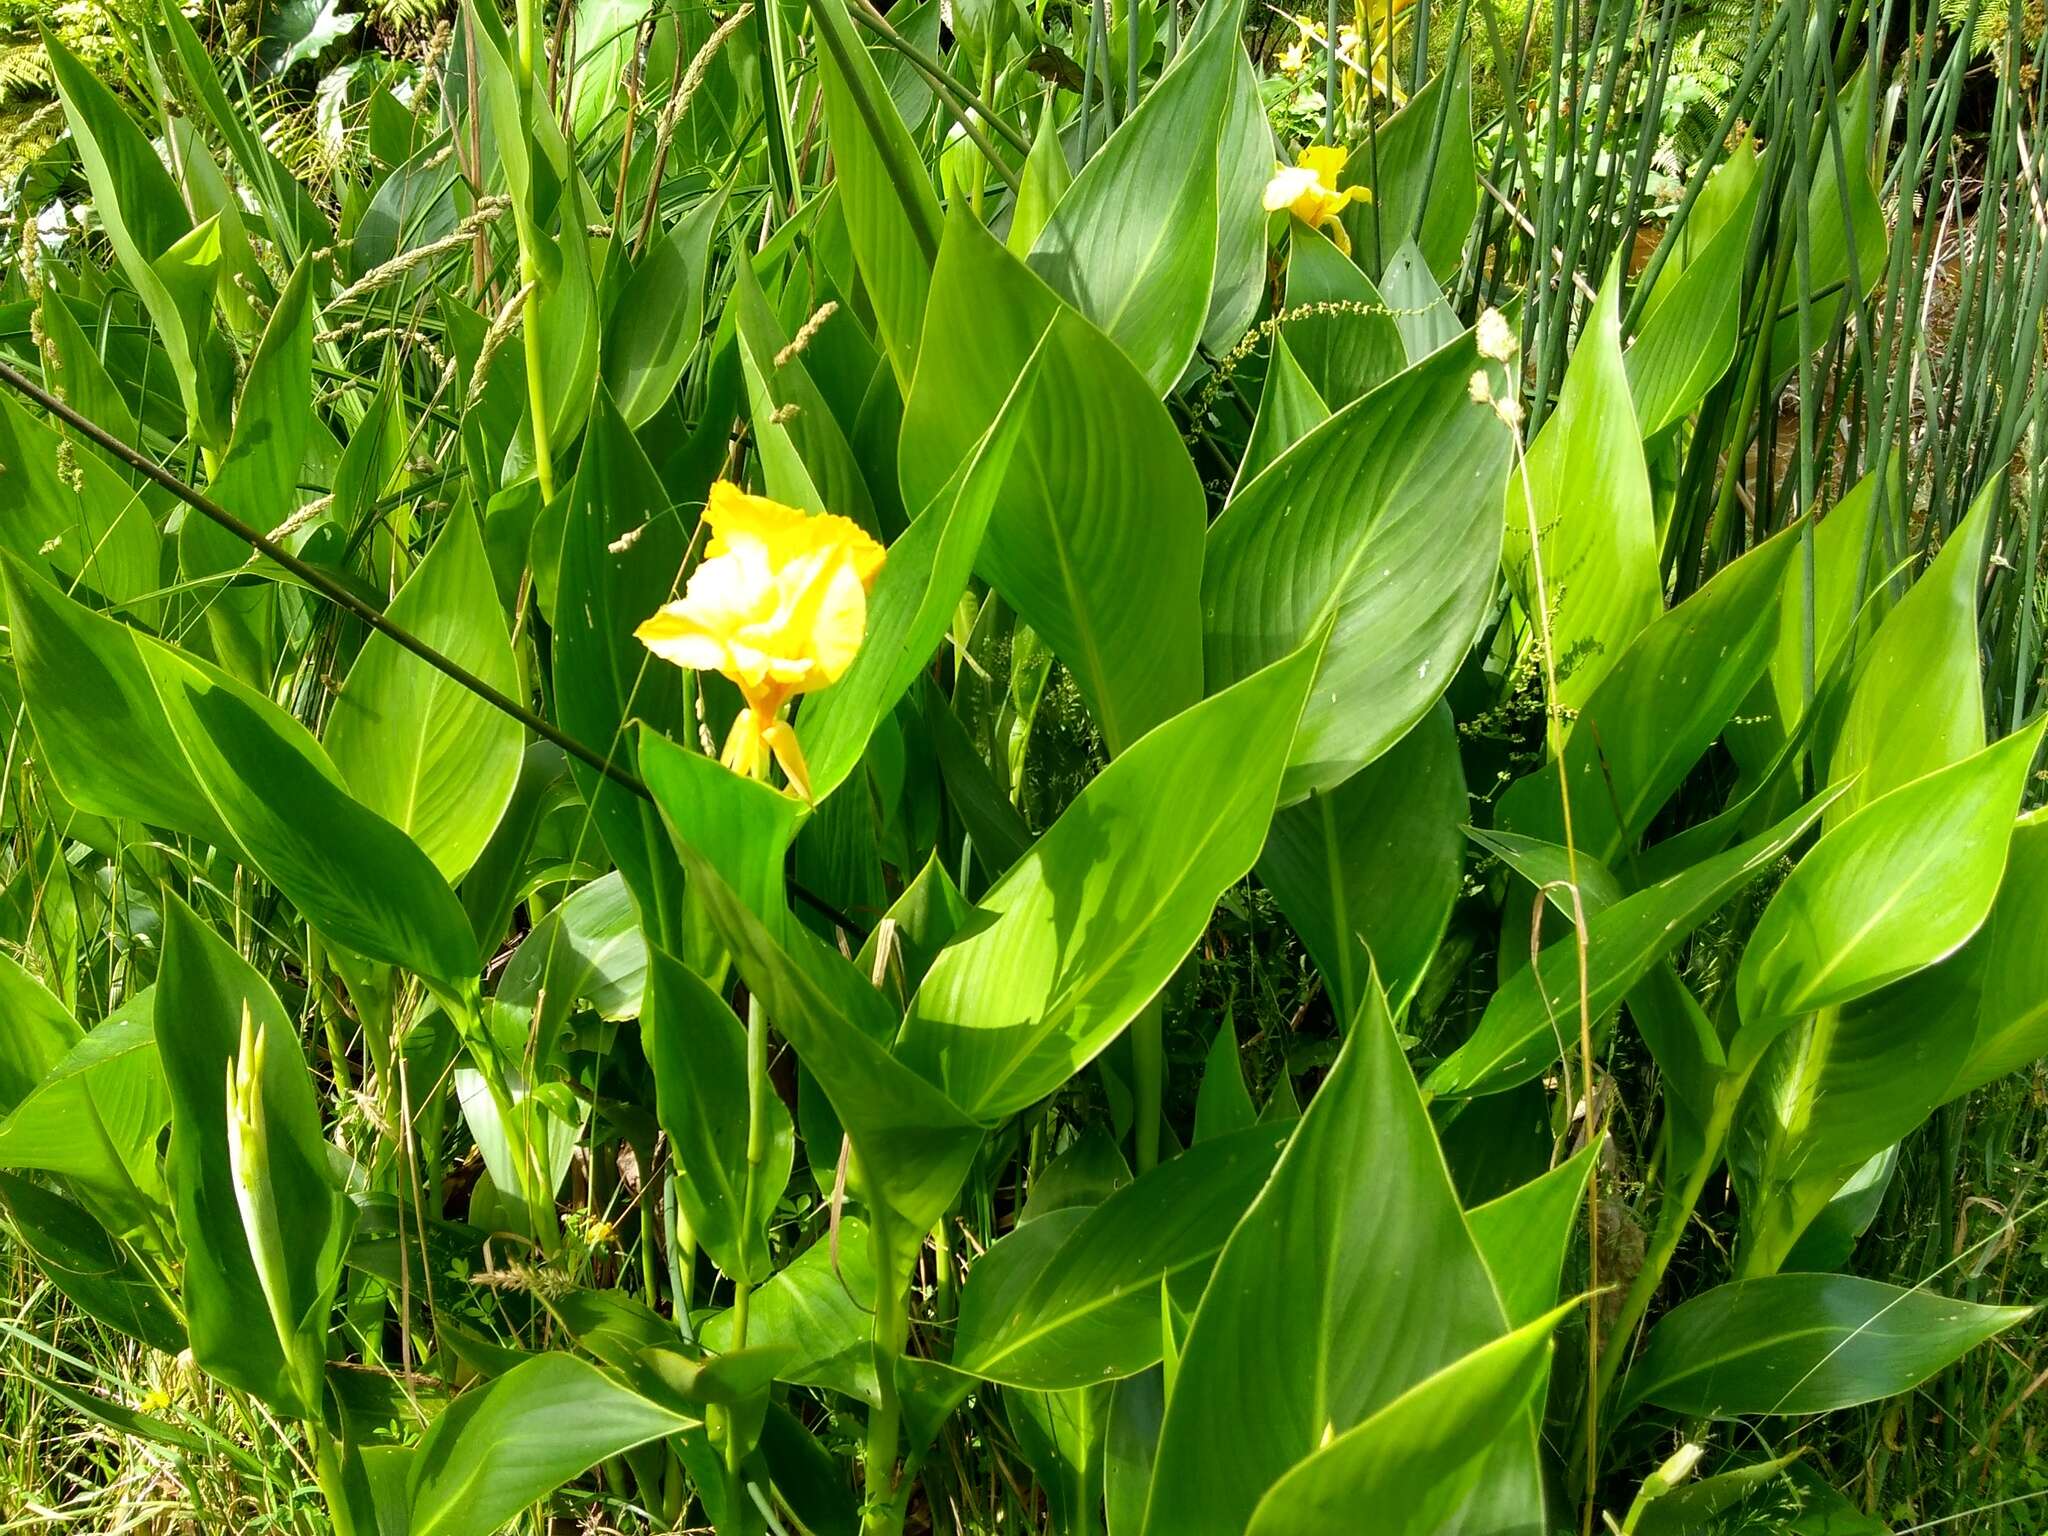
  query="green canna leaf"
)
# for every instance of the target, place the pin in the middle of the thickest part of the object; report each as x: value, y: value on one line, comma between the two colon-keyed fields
x: 1524, y: 1233
x: 1086, y: 928
x: 1423, y: 174
x: 1915, y: 701
x: 1380, y: 524
x: 1586, y: 490
x: 1367, y: 872
x: 217, y: 760
x: 95, y: 1117
x: 892, y: 214
x: 698, y: 1050
x: 423, y: 752
x: 603, y: 676
x: 1339, y: 328
x: 1657, y: 710
x: 1311, y: 1312
x: 499, y: 1448
x: 1084, y: 1309
x: 97, y: 1274
x: 1419, y: 1459
x: 1517, y: 1039
x: 1115, y: 596
x: 204, y: 993
x: 1801, y: 1344
x: 1902, y: 883
x: 1133, y: 243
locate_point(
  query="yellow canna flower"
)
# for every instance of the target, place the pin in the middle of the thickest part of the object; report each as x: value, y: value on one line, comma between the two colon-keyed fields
x: 1308, y: 188
x: 780, y: 606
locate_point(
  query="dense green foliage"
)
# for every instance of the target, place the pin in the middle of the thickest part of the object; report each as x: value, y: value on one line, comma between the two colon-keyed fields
x: 1414, y: 894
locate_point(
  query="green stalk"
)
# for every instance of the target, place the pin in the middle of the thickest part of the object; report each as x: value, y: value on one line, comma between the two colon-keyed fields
x: 1673, y: 1214
x: 882, y: 1506
x: 528, y: 24
x: 328, y: 1473
x: 1148, y: 1047
x: 743, y: 1286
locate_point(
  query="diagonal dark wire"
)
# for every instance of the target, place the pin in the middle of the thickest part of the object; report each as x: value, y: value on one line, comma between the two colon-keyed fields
x: 317, y: 579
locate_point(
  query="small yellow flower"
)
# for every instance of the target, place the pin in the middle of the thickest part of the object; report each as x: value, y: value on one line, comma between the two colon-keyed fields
x: 1308, y: 188
x: 780, y: 606
x: 1292, y: 60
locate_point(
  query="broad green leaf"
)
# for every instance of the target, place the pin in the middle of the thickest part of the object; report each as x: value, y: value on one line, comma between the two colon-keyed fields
x: 420, y: 750
x: 1916, y: 702
x: 92, y: 1270
x: 587, y: 952
x: 1426, y: 323
x: 2005, y: 968
x: 204, y: 990
x: 1133, y: 243
x: 1244, y: 163
x: 1658, y: 708
x: 818, y: 1309
x: 892, y: 223
x: 698, y: 1050
x: 1087, y: 927
x: 1339, y: 328
x: 1397, y: 164
x: 1115, y: 594
x: 1587, y: 494
x: 1416, y: 1461
x: 742, y: 826
x: 151, y: 232
x: 180, y: 743
x: 1523, y: 1235
x: 603, y: 676
x: 95, y: 1118
x: 1313, y: 1312
x: 104, y: 738
x: 1090, y: 1311
x: 1800, y: 1344
x: 357, y: 878
x: 658, y: 316
x: 1045, y: 179
x: 1839, y: 607
x: 1380, y: 524
x: 1059, y: 1436
x: 805, y: 457
x: 291, y: 215
x: 39, y: 1033
x: 1902, y: 883
x: 1839, y: 1089
x: 501, y: 1447
x: 1289, y: 409
x: 90, y: 524
x: 1367, y: 872
x: 1223, y: 1103
x: 1831, y: 1237
x: 257, y: 480
x: 1846, y: 256
x: 913, y: 1146
x: 913, y: 602
x: 1518, y: 1035
x: 1830, y: 1093
x: 1687, y: 337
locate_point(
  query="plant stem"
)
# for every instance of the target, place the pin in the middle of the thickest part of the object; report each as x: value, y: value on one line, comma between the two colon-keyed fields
x: 529, y: 260
x: 1673, y: 1213
x: 882, y: 1512
x: 1148, y: 1047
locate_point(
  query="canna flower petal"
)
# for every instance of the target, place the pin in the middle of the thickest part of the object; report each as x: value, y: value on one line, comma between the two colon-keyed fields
x: 779, y: 606
x: 1309, y: 190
